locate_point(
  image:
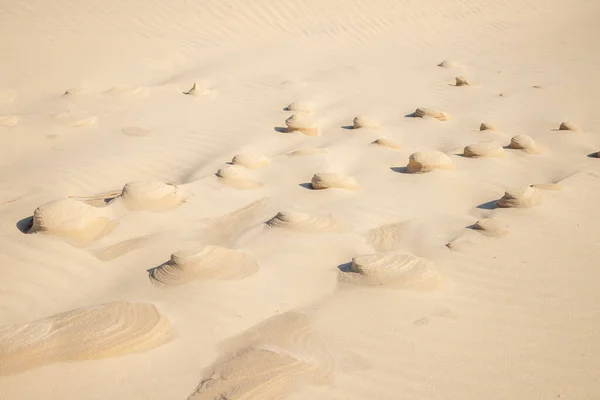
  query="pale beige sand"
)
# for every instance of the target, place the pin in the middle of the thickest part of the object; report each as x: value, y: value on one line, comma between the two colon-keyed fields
x: 487, y: 127
x: 427, y: 161
x: 525, y: 197
x: 151, y: 196
x: 251, y: 161
x: 365, y: 122
x: 333, y: 180
x: 483, y: 150
x: 514, y: 318
x: 302, y: 123
x: 431, y: 113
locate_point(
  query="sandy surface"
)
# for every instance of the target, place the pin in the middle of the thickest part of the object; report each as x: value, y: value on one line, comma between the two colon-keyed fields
x: 214, y: 199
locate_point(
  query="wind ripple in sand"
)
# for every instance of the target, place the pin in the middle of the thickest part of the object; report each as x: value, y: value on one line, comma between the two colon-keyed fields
x: 391, y: 269
x: 304, y: 222
x: 328, y: 180
x: 73, y: 219
x: 106, y: 330
x: 269, y: 359
x: 210, y: 262
x: 151, y: 196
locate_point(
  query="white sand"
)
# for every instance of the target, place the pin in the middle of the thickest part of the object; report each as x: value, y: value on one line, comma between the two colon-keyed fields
x: 92, y: 98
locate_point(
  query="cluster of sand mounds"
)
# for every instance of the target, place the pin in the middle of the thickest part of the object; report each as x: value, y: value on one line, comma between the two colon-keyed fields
x: 490, y: 227
x: 431, y: 113
x: 328, y: 180
x: 364, y: 122
x: 487, y: 127
x: 102, y: 331
x: 385, y: 142
x: 525, y: 197
x: 268, y: 361
x: 569, y: 126
x: 151, y: 196
x: 75, y: 119
x: 309, y: 152
x: 251, y: 161
x: 8, y: 120
x: 401, y: 269
x: 301, y: 106
x: 461, y: 81
x: 209, y: 262
x: 302, y: 123
x: 231, y: 175
x: 303, y: 222
x: 427, y: 161
x: 523, y: 142
x: 73, y: 219
x: 483, y: 150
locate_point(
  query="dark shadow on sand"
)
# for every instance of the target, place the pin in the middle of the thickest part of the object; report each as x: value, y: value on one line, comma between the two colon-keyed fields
x: 25, y: 224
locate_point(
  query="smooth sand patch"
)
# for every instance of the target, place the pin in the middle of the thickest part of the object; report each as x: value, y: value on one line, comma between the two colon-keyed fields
x: 524, y: 197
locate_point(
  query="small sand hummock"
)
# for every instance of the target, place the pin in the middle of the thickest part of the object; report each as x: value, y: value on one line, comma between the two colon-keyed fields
x: 151, y: 196
x: 426, y: 161
x: 523, y: 142
x: 448, y: 64
x: 525, y: 197
x: 196, y: 91
x: 232, y: 175
x: 309, y: 152
x: 302, y: 123
x: 569, y: 126
x: 304, y: 222
x: 250, y: 161
x: 431, y: 113
x: 328, y: 180
x: 461, y: 81
x: 364, y: 122
x: 301, y: 106
x: 483, y: 150
x: 384, y: 142
x: 490, y: 227
x: 487, y: 127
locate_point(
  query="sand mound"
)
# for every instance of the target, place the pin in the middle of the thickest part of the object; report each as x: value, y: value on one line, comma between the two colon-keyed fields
x: 391, y: 269
x: 523, y: 142
x: 449, y: 64
x: 151, y: 196
x: 8, y: 120
x: 327, y: 180
x: 302, y: 123
x: 210, y: 262
x: 106, y: 330
x: 231, y: 176
x: 427, y: 161
x: 304, y: 222
x: 569, y: 126
x: 196, y: 91
x: 384, y: 142
x: 302, y: 106
x: 431, y: 113
x: 483, y: 150
x: 250, y: 161
x: 135, y: 131
x: 74, y: 119
x: 487, y: 127
x: 525, y: 197
x: 461, y: 81
x: 73, y: 219
x: 364, y: 122
x: 268, y: 361
x: 490, y: 227
x: 308, y: 152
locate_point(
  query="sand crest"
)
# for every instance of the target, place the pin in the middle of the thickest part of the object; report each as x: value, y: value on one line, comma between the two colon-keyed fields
x: 427, y: 161
x: 304, y: 222
x: 210, y: 262
x: 251, y: 161
x: 525, y: 197
x: 328, y: 180
x: 106, y: 330
x: 431, y: 113
x: 569, y: 126
x: 151, y: 196
x: 302, y: 123
x: 483, y: 150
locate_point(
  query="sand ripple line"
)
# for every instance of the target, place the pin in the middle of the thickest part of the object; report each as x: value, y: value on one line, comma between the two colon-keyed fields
x: 210, y: 262
x: 73, y: 219
x: 304, y: 222
x: 328, y: 180
x: 391, y: 269
x: 106, y: 330
x: 525, y: 197
x: 151, y: 196
x: 427, y: 161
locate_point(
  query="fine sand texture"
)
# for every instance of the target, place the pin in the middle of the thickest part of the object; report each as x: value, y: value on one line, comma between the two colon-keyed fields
x: 284, y: 199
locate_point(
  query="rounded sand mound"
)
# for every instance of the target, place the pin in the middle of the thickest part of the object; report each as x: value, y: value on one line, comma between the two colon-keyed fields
x: 384, y: 142
x: 327, y: 180
x: 431, y: 113
x: 74, y: 119
x: 231, y: 176
x: 487, y: 127
x: 364, y: 122
x: 8, y: 120
x: 210, y: 262
x: 304, y: 222
x: 569, y: 126
x: 151, y: 196
x: 250, y: 161
x: 308, y: 152
x: 490, y: 227
x: 391, y: 269
x: 483, y: 150
x: 525, y: 197
x: 302, y: 123
x: 461, y: 81
x: 106, y: 330
x: 449, y: 64
x: 523, y: 142
x: 73, y: 219
x: 426, y: 161
x: 301, y: 106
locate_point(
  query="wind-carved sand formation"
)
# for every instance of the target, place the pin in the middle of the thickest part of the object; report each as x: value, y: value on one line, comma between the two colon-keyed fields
x: 267, y: 361
x: 524, y: 197
x: 303, y: 222
x: 331, y: 180
x: 490, y: 227
x: 461, y: 81
x: 524, y: 142
x: 427, y: 161
x: 385, y: 142
x: 487, y: 127
x: 209, y: 262
x: 302, y: 106
x: 195, y: 90
x: 102, y: 331
x: 250, y: 161
x: 569, y: 126
x: 233, y: 176
x: 483, y: 150
x: 393, y: 269
x: 151, y: 196
x: 302, y: 123
x: 365, y: 122
x: 431, y: 113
